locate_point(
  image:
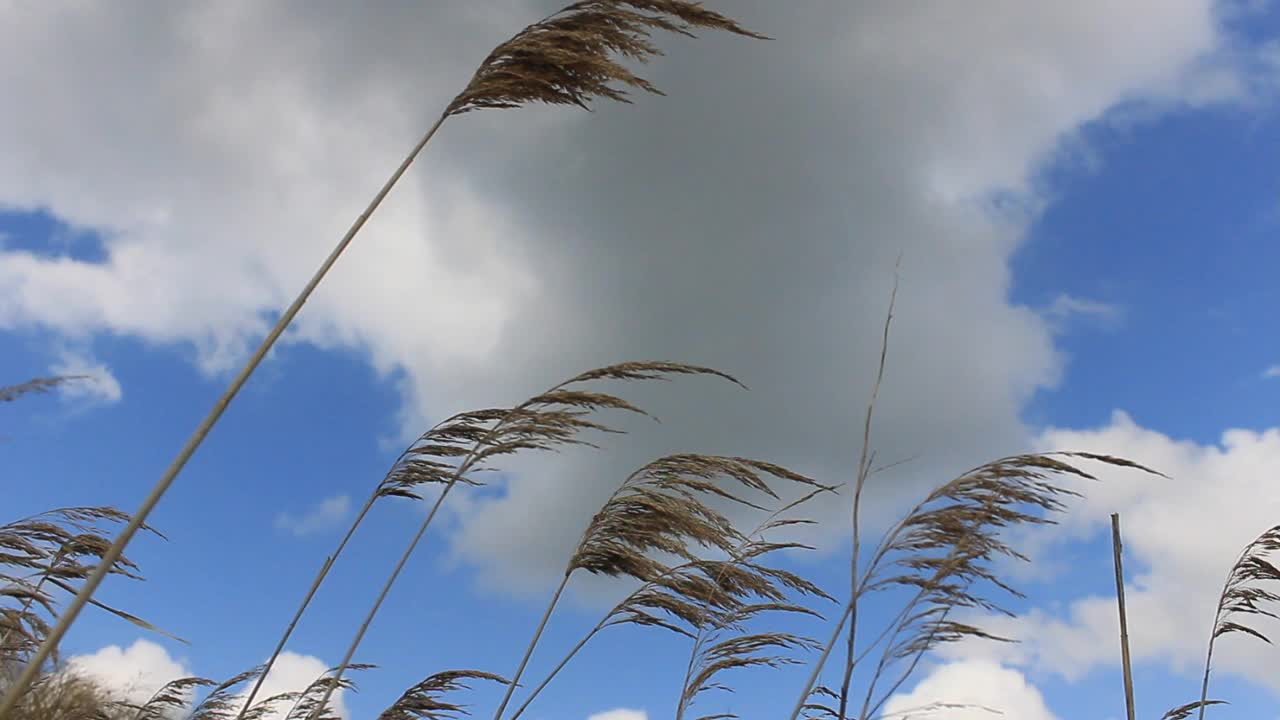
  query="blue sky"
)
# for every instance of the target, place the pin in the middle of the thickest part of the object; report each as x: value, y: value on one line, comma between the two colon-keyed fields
x: 751, y: 227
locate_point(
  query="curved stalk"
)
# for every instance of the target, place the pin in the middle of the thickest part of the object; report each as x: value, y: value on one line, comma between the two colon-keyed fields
x: 864, y: 469
x: 528, y: 651
x: 302, y: 607
x: 162, y: 485
x: 556, y: 670
x: 377, y: 603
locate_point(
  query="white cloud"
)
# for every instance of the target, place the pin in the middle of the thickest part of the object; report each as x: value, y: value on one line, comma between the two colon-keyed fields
x: 324, y: 515
x: 982, y: 685
x: 532, y: 244
x: 1065, y: 307
x: 1180, y: 537
x: 97, y: 385
x: 136, y: 673
x: 293, y: 673
x: 1271, y: 372
x: 620, y: 714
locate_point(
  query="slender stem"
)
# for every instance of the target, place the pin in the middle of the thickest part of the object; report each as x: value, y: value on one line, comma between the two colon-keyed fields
x: 1213, y: 633
x: 377, y: 604
x: 864, y: 469
x: 302, y: 608
x: 463, y: 468
x: 316, y: 582
x: 528, y: 651
x: 698, y: 643
x: 113, y: 554
x: 1204, y: 684
x: 605, y: 621
x: 893, y: 625
x: 915, y: 662
x: 822, y: 660
x: 1124, y: 621
x: 550, y: 676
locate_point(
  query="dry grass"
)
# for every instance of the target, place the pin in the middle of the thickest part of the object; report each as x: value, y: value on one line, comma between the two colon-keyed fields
x: 942, y: 551
x: 9, y: 393
x: 567, y: 58
x: 424, y: 701
x: 1243, y: 598
x: 660, y: 509
x: 65, y: 696
x: 698, y: 575
x: 44, y: 554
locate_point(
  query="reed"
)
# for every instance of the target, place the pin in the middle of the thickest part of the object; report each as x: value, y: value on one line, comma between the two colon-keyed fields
x: 567, y: 58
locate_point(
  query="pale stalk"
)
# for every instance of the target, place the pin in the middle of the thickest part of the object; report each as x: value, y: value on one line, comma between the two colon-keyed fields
x: 315, y: 585
x: 377, y: 604
x: 515, y: 679
x: 864, y: 469
x: 1213, y: 636
x: 817, y: 667
x: 113, y: 554
x: 533, y: 643
x: 463, y: 468
x: 915, y: 662
x: 302, y: 608
x: 1126, y: 667
x: 556, y: 670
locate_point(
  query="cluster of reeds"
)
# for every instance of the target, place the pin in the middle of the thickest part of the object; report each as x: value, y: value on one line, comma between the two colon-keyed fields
x: 664, y: 527
x: 698, y: 575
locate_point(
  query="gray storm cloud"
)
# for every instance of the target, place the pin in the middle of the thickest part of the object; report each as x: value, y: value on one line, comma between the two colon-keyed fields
x: 750, y: 220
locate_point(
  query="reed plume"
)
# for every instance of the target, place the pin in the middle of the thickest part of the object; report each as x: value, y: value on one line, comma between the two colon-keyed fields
x: 566, y: 59
x: 463, y: 446
x: 424, y: 702
x: 1243, y: 597
x: 49, y: 552
x: 661, y: 508
x: 65, y: 696
x: 9, y: 393
x: 682, y: 598
x: 173, y: 698
x: 942, y: 550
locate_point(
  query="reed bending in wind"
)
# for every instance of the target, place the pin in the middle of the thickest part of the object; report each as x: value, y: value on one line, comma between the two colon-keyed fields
x: 942, y: 552
x: 566, y: 58
x: 662, y: 508
x: 460, y: 448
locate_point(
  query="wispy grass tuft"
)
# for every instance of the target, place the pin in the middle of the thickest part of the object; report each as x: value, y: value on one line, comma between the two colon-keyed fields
x: 424, y: 701
x: 1243, y: 598
x: 568, y: 57
x: 50, y: 552
x: 661, y: 509
x: 942, y: 550
x: 9, y: 393
x: 463, y: 446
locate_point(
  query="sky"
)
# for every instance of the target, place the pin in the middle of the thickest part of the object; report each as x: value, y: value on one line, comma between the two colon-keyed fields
x: 1082, y: 196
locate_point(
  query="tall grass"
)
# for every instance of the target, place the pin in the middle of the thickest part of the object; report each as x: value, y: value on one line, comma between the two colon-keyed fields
x: 697, y: 574
x: 566, y: 58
